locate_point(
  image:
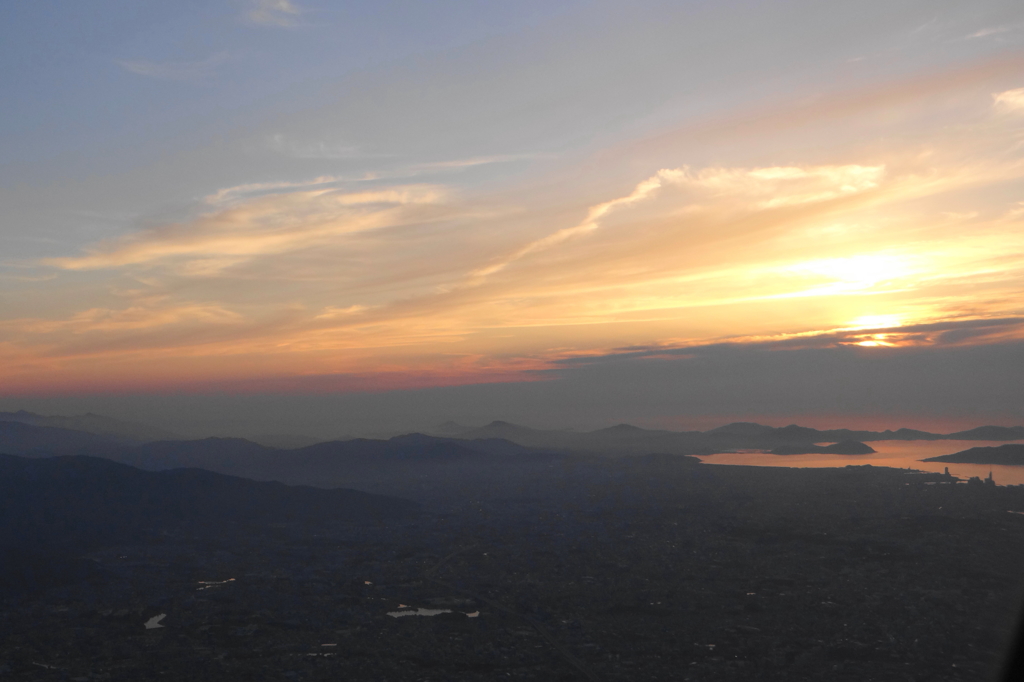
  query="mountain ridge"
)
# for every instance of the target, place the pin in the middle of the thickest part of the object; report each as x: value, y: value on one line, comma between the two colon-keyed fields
x: 499, y: 447
x: 96, y: 424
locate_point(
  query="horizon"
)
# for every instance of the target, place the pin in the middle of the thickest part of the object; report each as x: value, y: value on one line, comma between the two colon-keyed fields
x: 434, y: 429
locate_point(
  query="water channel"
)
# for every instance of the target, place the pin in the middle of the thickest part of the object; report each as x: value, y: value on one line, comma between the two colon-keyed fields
x: 900, y: 454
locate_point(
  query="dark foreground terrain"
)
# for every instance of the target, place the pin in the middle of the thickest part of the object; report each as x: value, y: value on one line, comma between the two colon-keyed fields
x: 641, y: 568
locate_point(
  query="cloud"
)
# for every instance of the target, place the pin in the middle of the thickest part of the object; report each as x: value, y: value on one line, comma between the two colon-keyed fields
x: 589, y: 224
x: 320, y: 149
x: 267, y: 225
x: 274, y: 13
x: 779, y: 186
x: 770, y: 187
x: 754, y: 123
x: 471, y: 162
x: 948, y: 333
x: 1009, y: 100
x: 229, y: 194
x: 146, y: 315
x: 849, y: 238
x: 991, y: 31
x: 177, y: 71
x: 332, y: 150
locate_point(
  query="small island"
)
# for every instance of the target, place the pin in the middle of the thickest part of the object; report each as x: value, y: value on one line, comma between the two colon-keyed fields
x: 846, y: 447
x: 1011, y: 454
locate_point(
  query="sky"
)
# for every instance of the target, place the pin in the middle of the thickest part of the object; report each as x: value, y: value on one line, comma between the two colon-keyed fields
x: 348, y: 217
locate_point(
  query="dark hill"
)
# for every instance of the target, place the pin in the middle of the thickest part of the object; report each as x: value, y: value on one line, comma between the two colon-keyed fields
x: 84, y: 501
x: 621, y: 428
x: 1011, y: 454
x: 523, y: 435
x: 19, y: 438
x: 450, y: 429
x: 624, y: 439
x: 742, y: 429
x: 847, y: 447
x: 990, y: 433
x: 284, y: 441
x: 799, y: 434
x: 116, y: 429
x: 235, y: 456
x: 361, y: 462
x: 53, y: 509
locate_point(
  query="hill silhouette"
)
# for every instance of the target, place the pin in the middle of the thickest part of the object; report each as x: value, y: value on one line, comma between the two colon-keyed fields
x: 1010, y: 454
x: 19, y: 438
x: 629, y: 439
x: 55, y: 508
x: 990, y: 433
x: 846, y: 447
x: 368, y: 463
x: 96, y: 424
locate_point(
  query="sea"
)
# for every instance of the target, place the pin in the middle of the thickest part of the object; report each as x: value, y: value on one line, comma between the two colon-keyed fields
x: 899, y: 454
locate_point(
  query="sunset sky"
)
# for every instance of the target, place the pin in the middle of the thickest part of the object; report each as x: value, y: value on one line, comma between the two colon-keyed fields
x: 561, y: 212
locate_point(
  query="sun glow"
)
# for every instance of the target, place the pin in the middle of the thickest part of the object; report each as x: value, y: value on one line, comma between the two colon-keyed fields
x: 875, y: 322
x: 876, y: 341
x: 857, y: 273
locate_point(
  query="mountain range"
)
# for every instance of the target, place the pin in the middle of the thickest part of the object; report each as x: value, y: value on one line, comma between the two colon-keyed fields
x: 369, y: 464
x: 128, y: 432
x: 295, y: 460
x: 628, y: 439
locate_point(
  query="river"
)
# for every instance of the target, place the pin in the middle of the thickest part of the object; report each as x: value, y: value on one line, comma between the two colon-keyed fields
x: 901, y: 454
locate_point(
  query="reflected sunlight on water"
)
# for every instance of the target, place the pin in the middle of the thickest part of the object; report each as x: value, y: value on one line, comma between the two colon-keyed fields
x: 901, y: 454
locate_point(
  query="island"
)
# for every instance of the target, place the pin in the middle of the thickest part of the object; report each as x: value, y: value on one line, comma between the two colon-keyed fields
x: 846, y: 447
x: 1011, y: 454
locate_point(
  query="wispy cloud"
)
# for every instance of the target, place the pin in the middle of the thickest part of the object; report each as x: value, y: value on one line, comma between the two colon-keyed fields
x: 319, y: 149
x: 991, y: 31
x: 274, y: 12
x: 458, y: 164
x: 201, y: 70
x: 335, y: 150
x: 228, y: 194
x: 589, y: 224
x: 146, y: 315
x: 768, y: 187
x: 266, y: 225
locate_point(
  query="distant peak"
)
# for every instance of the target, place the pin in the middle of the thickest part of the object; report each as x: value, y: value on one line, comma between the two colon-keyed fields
x: 415, y: 436
x: 742, y: 428
x: 623, y: 427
